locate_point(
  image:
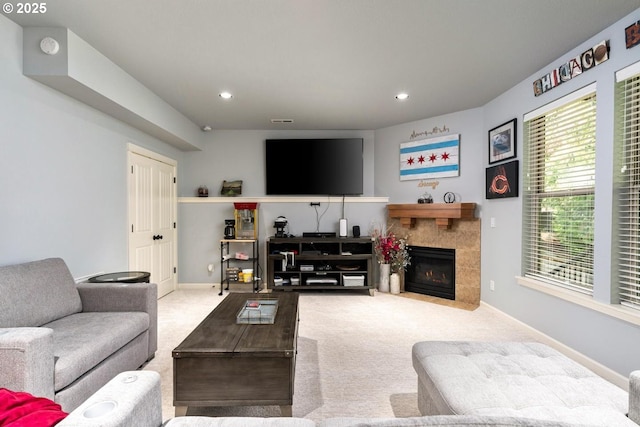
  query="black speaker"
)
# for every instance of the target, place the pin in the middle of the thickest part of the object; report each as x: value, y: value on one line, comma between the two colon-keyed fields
x: 356, y: 231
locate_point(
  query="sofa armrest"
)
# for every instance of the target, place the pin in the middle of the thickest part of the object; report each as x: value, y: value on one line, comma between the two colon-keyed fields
x: 634, y: 397
x: 124, y: 297
x: 26, y: 360
x: 130, y: 399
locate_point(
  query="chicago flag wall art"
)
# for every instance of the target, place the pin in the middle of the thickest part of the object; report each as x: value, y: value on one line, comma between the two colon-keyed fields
x: 437, y: 157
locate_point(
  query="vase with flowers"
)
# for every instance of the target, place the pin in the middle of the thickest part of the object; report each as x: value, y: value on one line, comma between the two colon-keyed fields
x: 392, y: 255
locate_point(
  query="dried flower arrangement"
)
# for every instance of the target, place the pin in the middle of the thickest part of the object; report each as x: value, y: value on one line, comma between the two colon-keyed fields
x: 390, y: 249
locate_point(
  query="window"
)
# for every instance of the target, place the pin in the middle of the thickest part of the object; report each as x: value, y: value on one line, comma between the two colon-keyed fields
x: 627, y: 185
x: 559, y: 181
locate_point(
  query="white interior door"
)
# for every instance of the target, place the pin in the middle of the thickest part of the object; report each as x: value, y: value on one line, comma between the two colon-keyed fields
x: 152, y: 220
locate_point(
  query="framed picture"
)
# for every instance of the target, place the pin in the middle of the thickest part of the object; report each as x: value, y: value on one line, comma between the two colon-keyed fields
x: 231, y: 188
x: 437, y: 157
x: 502, y: 181
x: 502, y: 142
x: 632, y: 35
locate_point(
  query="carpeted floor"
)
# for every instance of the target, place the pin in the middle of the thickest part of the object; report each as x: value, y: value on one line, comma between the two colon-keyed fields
x: 354, y: 350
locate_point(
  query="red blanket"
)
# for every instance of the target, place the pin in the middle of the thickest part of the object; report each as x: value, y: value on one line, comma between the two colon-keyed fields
x: 20, y: 409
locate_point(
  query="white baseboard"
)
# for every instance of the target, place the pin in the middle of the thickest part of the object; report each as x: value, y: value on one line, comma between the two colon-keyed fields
x: 198, y: 285
x: 606, y: 373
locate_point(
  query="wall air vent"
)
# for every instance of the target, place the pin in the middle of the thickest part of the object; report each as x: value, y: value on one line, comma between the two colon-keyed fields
x: 281, y: 120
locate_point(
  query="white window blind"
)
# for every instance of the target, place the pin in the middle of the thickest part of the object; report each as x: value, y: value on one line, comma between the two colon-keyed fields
x: 628, y: 187
x: 559, y: 181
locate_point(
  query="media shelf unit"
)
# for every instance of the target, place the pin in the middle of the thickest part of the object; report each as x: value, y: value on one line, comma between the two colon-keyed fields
x: 228, y: 259
x: 320, y: 263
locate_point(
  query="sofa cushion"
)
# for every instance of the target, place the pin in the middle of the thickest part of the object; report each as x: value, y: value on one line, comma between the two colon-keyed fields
x: 238, y: 422
x: 515, y: 379
x: 441, y: 420
x: 36, y: 293
x: 81, y: 341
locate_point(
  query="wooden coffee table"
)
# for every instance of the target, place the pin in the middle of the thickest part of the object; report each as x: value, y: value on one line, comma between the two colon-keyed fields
x: 222, y: 363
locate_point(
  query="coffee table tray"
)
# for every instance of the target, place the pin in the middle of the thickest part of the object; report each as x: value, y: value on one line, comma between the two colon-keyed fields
x: 258, y: 312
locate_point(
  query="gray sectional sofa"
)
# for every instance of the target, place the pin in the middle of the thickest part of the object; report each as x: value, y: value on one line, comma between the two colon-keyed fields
x: 132, y: 399
x: 64, y: 341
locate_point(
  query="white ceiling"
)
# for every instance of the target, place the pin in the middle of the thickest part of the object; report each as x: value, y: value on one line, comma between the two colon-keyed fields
x: 329, y: 64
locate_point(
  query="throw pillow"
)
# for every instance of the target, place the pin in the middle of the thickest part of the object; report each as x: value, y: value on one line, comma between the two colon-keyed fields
x: 21, y: 409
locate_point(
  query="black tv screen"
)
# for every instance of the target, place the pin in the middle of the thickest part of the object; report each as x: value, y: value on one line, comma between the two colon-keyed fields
x: 314, y: 166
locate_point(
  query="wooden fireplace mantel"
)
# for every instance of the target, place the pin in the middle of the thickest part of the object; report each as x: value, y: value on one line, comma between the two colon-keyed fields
x: 443, y: 213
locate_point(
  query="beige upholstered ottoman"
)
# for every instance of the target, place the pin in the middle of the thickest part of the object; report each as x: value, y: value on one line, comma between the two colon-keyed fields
x: 514, y: 379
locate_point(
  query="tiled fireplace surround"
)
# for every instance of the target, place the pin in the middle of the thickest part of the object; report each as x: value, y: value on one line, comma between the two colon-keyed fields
x: 464, y: 237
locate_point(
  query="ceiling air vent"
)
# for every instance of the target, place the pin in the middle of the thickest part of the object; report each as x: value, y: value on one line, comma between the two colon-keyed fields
x: 281, y: 120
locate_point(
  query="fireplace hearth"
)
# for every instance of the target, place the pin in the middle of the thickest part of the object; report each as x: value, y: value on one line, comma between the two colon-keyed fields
x: 432, y: 272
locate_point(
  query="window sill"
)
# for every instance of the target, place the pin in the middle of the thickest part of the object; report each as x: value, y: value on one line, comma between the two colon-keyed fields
x: 614, y: 310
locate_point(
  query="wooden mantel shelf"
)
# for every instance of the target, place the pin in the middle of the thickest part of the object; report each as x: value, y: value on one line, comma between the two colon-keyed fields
x: 443, y: 213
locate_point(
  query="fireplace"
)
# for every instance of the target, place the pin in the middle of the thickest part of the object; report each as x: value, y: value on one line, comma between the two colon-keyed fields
x: 463, y: 236
x: 432, y: 272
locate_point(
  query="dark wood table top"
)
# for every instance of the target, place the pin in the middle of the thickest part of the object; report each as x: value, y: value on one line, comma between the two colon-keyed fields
x: 122, y: 277
x: 219, y: 334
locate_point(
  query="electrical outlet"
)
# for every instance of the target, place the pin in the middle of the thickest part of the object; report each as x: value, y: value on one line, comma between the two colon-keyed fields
x: 493, y: 222
x: 492, y: 285
x: 210, y: 268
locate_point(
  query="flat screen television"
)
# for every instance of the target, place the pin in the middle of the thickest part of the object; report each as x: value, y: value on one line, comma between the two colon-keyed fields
x: 314, y: 166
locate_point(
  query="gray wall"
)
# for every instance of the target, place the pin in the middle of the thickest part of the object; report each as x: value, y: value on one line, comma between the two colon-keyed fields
x: 468, y: 187
x: 607, y: 340
x: 239, y: 155
x: 63, y: 180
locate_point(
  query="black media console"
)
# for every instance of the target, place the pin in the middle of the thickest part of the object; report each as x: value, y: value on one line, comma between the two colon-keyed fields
x: 320, y: 263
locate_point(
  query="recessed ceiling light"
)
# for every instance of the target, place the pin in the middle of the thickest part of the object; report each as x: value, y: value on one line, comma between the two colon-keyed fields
x: 225, y: 95
x: 402, y: 96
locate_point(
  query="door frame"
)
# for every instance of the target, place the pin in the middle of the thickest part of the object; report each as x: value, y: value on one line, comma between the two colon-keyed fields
x: 136, y: 149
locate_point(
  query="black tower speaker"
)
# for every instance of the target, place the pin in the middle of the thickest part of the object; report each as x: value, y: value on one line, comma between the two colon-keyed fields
x: 356, y: 231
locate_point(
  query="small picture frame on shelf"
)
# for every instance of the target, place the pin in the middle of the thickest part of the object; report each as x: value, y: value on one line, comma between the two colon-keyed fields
x: 231, y: 188
x: 502, y: 142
